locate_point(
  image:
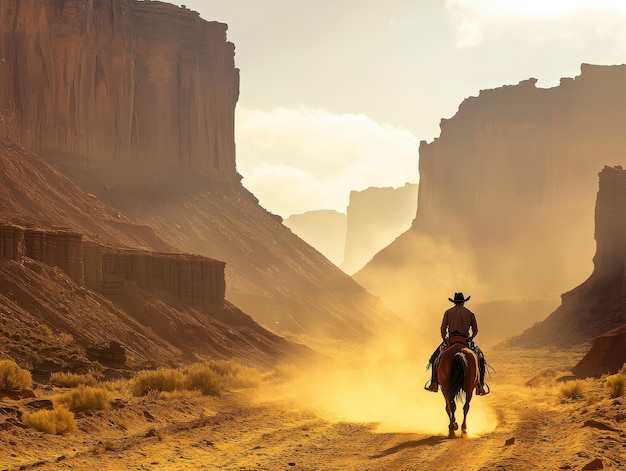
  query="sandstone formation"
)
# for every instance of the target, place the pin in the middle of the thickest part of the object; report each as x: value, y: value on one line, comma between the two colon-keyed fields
x: 375, y: 217
x: 607, y: 355
x: 97, y: 81
x: 507, y: 191
x: 597, y: 308
x: 323, y: 229
x: 195, y: 280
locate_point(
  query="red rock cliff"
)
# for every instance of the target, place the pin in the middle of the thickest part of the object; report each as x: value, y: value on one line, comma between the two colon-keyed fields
x: 118, y: 80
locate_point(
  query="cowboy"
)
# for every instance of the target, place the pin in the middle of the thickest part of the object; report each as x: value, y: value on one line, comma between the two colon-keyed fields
x: 457, y: 321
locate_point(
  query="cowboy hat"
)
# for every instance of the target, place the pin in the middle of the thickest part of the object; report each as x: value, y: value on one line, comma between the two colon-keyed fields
x: 459, y: 298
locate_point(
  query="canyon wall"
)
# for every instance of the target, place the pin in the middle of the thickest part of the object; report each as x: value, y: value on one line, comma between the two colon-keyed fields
x: 195, y: 280
x: 506, y: 195
x: 595, y: 310
x: 100, y: 81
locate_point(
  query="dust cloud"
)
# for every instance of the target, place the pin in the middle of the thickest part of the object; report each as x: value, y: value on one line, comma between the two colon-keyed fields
x: 382, y: 384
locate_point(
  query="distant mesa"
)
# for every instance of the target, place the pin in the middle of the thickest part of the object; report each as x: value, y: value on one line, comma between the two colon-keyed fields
x: 375, y: 217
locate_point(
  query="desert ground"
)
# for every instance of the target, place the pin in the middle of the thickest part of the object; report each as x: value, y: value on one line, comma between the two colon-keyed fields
x: 528, y: 422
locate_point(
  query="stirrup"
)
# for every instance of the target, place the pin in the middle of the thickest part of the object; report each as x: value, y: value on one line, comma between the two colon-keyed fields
x: 486, y: 390
x: 430, y: 386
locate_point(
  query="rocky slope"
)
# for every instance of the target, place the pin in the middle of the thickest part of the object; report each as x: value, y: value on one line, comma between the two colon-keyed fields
x: 63, y: 293
x: 323, y: 229
x: 507, y: 190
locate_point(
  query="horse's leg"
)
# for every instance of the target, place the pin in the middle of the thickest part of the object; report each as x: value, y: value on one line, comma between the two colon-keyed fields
x: 466, y: 407
x: 451, y: 409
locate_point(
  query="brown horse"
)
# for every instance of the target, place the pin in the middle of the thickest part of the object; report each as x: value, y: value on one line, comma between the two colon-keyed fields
x: 457, y: 373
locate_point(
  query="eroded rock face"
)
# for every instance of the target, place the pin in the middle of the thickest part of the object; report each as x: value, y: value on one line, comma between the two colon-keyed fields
x: 95, y: 81
x: 195, y: 280
x: 607, y: 355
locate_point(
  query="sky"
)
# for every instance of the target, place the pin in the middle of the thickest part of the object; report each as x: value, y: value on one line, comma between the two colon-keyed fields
x: 336, y: 95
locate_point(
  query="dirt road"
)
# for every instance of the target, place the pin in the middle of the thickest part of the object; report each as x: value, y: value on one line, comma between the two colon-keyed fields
x: 536, y: 429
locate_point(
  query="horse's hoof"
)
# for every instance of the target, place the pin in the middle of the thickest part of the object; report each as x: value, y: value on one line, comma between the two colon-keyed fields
x: 464, y: 433
x: 451, y: 434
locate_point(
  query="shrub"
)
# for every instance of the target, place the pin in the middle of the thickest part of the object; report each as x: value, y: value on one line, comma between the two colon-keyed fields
x: 162, y: 379
x: 85, y: 398
x: 572, y: 390
x: 14, y: 377
x: 71, y: 380
x: 204, y: 378
x: 235, y: 375
x: 616, y: 384
x: 44, y: 330
x: 59, y: 421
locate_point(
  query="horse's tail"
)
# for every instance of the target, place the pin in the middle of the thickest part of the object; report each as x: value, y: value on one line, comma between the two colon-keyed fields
x: 457, y: 377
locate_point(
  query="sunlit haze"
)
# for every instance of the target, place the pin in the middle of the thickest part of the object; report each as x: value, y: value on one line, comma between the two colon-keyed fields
x: 359, y: 85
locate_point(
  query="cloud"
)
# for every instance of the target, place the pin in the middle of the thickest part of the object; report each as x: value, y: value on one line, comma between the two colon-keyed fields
x: 474, y: 19
x: 296, y: 160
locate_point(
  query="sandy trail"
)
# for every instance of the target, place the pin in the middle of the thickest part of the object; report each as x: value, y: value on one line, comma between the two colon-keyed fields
x: 237, y: 432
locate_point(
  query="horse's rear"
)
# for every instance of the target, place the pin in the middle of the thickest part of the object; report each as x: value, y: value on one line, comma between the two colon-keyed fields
x: 458, y: 376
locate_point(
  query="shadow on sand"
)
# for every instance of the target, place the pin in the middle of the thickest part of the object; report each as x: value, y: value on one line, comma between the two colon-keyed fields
x: 435, y: 440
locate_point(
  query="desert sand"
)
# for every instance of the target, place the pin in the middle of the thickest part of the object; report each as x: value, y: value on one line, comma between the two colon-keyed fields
x: 516, y: 427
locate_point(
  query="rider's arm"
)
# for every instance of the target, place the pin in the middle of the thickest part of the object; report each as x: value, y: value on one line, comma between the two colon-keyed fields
x: 474, y: 326
x: 444, y: 325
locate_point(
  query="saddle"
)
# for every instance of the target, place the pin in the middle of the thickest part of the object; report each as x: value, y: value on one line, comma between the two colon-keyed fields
x: 458, y: 339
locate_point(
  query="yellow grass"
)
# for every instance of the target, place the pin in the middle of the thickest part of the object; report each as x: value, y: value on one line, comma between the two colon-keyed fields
x: 44, y: 330
x: 59, y: 421
x: 616, y: 385
x: 85, y: 398
x: 71, y: 380
x: 202, y: 377
x: 14, y: 377
x: 162, y: 379
x: 235, y: 375
x: 572, y: 390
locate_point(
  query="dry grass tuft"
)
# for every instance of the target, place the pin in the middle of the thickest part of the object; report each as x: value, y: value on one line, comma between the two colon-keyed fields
x: 44, y: 330
x: 71, y: 380
x: 59, y: 421
x: 85, y: 398
x: 162, y: 379
x: 573, y: 390
x: 235, y: 375
x: 616, y: 384
x: 202, y: 377
x: 14, y: 377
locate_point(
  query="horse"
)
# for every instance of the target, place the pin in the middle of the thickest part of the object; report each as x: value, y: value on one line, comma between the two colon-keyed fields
x: 457, y: 375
